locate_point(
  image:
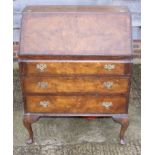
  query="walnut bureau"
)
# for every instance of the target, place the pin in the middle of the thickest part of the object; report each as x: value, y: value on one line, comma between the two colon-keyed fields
x: 75, y: 61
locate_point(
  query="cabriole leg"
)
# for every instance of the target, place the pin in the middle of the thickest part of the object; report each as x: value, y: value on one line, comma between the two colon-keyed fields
x: 124, y: 121
x: 27, y: 121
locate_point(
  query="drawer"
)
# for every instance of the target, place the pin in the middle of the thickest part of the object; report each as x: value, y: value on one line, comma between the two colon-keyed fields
x: 75, y: 85
x: 77, y: 67
x: 76, y: 104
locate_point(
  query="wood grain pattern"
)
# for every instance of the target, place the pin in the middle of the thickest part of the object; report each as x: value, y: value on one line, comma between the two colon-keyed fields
x: 76, y: 104
x: 74, y: 85
x: 62, y: 59
x: 75, y: 68
x: 132, y: 5
x: 75, y: 8
x: 136, y: 33
x: 76, y: 32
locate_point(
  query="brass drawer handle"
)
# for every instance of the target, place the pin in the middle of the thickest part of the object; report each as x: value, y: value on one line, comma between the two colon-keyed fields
x: 109, y: 67
x: 41, y: 67
x: 43, y: 84
x: 108, y: 84
x: 107, y: 105
x: 44, y: 104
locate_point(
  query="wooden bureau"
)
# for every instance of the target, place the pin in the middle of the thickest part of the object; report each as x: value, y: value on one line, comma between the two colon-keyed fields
x: 75, y: 61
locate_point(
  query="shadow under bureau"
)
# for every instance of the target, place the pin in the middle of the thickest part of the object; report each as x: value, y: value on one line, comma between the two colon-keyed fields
x: 75, y: 61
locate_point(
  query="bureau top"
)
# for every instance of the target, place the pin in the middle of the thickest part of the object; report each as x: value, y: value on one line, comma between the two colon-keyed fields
x: 76, y: 30
x: 72, y: 8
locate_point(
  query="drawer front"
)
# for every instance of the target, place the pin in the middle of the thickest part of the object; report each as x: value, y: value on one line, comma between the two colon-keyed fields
x: 75, y: 85
x: 77, y: 67
x: 76, y: 104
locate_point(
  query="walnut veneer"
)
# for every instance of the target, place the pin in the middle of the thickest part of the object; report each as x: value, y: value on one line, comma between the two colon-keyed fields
x: 75, y: 61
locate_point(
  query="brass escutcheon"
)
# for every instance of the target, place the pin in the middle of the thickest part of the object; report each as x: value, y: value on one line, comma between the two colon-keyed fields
x: 43, y: 84
x: 41, y: 67
x: 108, y: 84
x: 109, y: 67
x: 44, y: 103
x: 107, y: 105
